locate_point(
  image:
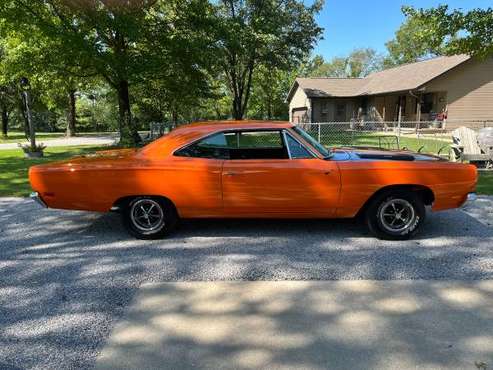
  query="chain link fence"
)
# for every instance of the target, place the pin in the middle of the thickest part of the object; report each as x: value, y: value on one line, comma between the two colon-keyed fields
x: 432, y: 137
x: 426, y: 137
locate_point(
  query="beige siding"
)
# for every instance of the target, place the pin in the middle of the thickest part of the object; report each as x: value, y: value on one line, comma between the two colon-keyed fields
x: 299, y: 100
x: 469, y: 91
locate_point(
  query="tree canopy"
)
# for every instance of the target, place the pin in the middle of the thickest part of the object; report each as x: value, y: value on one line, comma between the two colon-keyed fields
x: 359, y: 63
x: 454, y: 31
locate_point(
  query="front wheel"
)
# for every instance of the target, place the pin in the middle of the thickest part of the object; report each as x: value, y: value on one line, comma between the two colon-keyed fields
x: 396, y: 215
x: 149, y: 217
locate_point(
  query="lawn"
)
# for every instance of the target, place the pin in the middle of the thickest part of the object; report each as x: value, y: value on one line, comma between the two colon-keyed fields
x: 385, y: 141
x: 14, y: 167
x: 485, y: 183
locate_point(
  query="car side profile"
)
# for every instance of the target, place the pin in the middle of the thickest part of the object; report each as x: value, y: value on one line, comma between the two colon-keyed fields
x: 253, y: 169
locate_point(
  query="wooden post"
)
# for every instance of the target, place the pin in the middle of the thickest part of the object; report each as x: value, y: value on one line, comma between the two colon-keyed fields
x: 399, y: 125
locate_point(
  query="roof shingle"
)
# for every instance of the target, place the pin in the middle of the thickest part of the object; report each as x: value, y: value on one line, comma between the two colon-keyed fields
x: 401, y: 78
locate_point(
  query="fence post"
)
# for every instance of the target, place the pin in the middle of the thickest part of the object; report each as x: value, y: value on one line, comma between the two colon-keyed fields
x: 399, y: 127
x: 319, y: 133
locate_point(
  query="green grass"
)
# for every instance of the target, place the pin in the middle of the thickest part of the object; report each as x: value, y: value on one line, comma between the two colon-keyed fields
x: 485, y: 183
x: 425, y: 145
x: 14, y: 167
x: 18, y: 137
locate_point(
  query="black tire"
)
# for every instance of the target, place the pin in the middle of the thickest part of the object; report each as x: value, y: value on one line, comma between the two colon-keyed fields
x: 161, y: 218
x: 395, y: 215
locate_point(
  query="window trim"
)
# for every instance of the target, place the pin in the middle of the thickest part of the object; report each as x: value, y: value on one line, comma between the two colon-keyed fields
x: 282, y: 131
x: 285, y: 133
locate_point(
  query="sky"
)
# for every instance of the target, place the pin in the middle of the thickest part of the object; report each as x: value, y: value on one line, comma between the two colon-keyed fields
x: 350, y: 24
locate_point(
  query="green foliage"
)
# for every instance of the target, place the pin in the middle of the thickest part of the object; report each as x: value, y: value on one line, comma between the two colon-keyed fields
x: 455, y: 31
x: 359, y: 63
x: 274, y: 34
x: 269, y: 93
x: 411, y: 43
x: 123, y: 43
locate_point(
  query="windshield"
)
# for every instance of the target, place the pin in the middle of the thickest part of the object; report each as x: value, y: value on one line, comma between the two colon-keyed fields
x: 305, y: 135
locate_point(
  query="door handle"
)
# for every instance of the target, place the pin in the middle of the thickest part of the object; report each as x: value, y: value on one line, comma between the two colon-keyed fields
x: 230, y: 173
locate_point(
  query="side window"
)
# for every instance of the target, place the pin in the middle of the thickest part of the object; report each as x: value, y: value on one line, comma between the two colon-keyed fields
x: 260, y: 139
x: 296, y: 150
x: 259, y: 145
x: 215, y: 147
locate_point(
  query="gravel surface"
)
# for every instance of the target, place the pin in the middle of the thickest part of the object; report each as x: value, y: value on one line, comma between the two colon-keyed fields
x: 65, y: 277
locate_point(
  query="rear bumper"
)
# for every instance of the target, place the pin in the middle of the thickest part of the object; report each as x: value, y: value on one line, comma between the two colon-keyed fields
x: 35, y: 196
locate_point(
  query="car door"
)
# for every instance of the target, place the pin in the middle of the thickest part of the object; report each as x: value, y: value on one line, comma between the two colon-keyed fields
x: 197, y: 174
x: 274, y: 174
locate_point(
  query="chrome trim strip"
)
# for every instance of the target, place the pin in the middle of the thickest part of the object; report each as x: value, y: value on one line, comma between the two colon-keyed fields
x: 36, y: 198
x: 286, y: 143
x: 285, y: 132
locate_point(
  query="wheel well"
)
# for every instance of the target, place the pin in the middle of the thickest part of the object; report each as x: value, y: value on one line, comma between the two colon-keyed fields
x: 424, y: 192
x: 123, y: 201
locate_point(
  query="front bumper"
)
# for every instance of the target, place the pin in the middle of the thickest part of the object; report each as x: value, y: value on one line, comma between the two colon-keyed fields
x: 35, y: 196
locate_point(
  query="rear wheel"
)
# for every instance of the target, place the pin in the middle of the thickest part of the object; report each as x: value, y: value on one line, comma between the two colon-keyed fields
x: 395, y: 215
x: 149, y: 217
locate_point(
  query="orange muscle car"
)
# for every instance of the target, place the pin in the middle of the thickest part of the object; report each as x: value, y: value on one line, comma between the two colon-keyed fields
x: 253, y: 169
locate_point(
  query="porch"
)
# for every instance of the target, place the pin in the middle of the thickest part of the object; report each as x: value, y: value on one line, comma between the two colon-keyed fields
x: 409, y: 107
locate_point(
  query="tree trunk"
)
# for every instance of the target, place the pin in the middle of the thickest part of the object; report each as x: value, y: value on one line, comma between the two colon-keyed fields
x: 241, y: 91
x: 128, y: 134
x: 5, y: 121
x: 71, y: 117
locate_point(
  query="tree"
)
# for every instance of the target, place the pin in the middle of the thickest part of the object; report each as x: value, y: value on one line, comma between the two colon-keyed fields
x: 359, y: 63
x: 362, y: 62
x: 269, y: 93
x: 8, y: 98
x: 409, y: 45
x: 455, y: 32
x: 122, y: 42
x: 253, y: 33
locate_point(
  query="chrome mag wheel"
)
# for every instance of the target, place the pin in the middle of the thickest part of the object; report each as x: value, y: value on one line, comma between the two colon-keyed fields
x: 147, y: 215
x: 396, y: 215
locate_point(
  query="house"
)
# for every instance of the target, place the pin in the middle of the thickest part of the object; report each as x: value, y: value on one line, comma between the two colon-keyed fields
x: 458, y: 88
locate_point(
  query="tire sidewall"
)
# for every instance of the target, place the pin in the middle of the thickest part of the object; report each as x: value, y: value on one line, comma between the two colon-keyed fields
x: 169, y: 219
x: 375, y: 224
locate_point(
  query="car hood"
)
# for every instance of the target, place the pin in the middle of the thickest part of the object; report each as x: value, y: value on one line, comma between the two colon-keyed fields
x: 372, y: 154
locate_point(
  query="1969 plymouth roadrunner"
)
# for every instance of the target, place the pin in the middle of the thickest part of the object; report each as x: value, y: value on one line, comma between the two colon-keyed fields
x: 252, y: 169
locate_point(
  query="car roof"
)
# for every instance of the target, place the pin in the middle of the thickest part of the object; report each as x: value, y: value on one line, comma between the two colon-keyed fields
x: 188, y: 133
x: 234, y: 125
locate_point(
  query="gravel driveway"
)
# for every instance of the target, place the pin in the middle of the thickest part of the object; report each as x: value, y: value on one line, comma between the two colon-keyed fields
x: 65, y: 277
x: 108, y: 139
